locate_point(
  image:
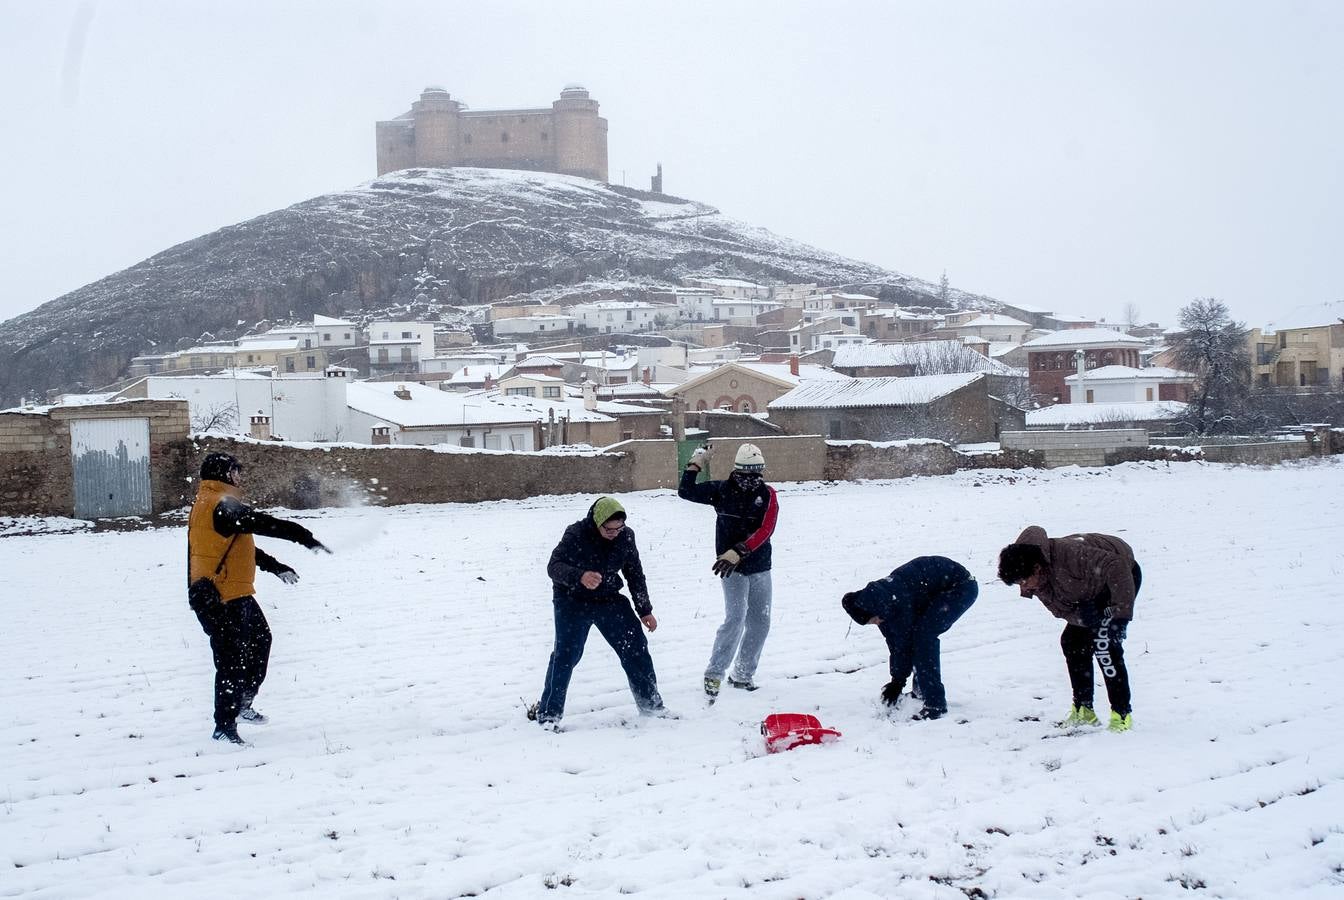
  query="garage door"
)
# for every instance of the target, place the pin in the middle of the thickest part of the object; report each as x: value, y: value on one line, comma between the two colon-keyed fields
x: 111, y: 458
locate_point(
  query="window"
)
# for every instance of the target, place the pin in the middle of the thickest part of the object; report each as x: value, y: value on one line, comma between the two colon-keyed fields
x: 382, y: 354
x: 466, y: 139
x: 347, y: 335
x: 494, y: 442
x: 1089, y: 396
x: 405, y: 354
x: 1148, y: 393
x: 503, y: 137
x: 406, y: 336
x: 195, y: 362
x: 289, y: 364
x: 746, y: 406
x: 311, y: 361
x: 629, y: 315
x: 551, y: 390
x: 249, y: 357
x: 307, y: 343
x: 520, y: 392
x: 384, y: 335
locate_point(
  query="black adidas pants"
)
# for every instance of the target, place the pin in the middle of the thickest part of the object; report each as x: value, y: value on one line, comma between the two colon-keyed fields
x: 240, y: 640
x: 1105, y: 644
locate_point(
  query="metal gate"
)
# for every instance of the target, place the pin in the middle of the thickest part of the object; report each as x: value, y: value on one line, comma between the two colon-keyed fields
x: 111, y: 459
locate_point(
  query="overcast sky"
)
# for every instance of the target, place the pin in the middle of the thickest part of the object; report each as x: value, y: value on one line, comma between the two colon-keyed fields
x: 1071, y: 155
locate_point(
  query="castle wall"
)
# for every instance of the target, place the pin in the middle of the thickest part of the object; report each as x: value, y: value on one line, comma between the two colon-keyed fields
x: 569, y: 138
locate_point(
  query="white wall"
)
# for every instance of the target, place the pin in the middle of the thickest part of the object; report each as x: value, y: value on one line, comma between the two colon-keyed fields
x: 420, y: 331
x: 497, y: 437
x: 527, y: 326
x: 1127, y: 391
x: 302, y: 408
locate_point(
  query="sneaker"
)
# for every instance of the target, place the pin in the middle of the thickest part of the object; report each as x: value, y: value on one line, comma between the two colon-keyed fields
x: 551, y: 725
x: 712, y: 686
x: 248, y: 714
x: 532, y: 711
x: 1121, y: 723
x: 928, y: 713
x: 228, y: 733
x: 743, y: 684
x: 1079, y: 716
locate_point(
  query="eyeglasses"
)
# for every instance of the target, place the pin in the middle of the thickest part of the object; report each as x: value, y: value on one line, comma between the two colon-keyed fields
x: 612, y: 529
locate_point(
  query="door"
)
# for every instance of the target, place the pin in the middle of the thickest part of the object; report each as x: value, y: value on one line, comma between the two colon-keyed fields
x: 111, y: 462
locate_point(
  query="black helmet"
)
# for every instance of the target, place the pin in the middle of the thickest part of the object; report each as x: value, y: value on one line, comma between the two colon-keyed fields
x: 218, y: 467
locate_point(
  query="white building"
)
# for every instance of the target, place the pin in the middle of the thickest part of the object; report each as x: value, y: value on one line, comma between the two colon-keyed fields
x: 740, y: 312
x: 543, y: 387
x: 734, y: 288
x: 399, y: 346
x: 533, y: 326
x: 298, y: 407
x: 1124, y: 384
x: 620, y: 316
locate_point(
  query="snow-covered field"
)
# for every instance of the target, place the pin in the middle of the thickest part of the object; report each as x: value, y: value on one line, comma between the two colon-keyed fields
x: 399, y: 764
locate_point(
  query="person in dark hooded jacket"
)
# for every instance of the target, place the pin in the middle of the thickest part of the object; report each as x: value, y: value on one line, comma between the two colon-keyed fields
x: 585, y: 570
x: 1090, y: 581
x: 222, y: 563
x: 912, y: 607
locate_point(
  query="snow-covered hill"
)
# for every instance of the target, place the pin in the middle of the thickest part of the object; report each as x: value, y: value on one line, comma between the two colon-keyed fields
x: 409, y: 243
x: 398, y: 762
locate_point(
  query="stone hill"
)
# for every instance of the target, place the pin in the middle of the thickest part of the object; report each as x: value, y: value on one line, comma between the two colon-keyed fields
x: 419, y: 242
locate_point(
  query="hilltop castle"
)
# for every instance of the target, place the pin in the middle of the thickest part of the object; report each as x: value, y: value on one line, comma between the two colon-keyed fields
x: 569, y: 138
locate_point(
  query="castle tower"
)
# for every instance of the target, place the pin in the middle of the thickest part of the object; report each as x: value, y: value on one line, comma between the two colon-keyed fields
x: 580, y: 135
x: 436, y: 128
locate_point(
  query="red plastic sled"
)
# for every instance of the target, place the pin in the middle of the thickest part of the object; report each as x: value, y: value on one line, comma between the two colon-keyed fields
x: 784, y: 731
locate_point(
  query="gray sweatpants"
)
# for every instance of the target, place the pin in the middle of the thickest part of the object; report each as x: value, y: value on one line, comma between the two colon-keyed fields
x: 746, y: 622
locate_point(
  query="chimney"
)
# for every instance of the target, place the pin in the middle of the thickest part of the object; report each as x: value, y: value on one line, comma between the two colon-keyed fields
x: 589, y: 396
x: 401, y: 393
x: 648, y: 375
x: 261, y: 427
x: 489, y: 382
x: 381, y: 435
x: 793, y: 364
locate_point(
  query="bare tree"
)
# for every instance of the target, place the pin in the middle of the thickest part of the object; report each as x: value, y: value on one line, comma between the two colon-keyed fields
x: 1129, y: 314
x: 217, y: 417
x: 1213, y: 346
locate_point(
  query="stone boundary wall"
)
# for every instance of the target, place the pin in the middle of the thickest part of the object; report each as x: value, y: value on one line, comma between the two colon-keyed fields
x: 276, y: 474
x: 857, y: 460
x: 1265, y: 453
x: 1075, y: 448
x: 792, y: 458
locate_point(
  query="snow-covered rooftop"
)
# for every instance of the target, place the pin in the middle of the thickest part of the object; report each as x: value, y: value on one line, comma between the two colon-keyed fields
x: 474, y: 374
x: 1313, y: 315
x: 921, y: 354
x: 989, y: 320
x: 429, y: 407
x: 1084, y: 337
x: 1129, y: 373
x: 853, y: 392
x: 1105, y: 413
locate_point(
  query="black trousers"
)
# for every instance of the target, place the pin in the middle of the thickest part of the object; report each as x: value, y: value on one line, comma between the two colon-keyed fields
x: 1105, y: 644
x: 616, y: 622
x: 240, y: 640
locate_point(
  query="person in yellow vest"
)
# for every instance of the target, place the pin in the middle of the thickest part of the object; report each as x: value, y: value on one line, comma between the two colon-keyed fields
x: 222, y: 565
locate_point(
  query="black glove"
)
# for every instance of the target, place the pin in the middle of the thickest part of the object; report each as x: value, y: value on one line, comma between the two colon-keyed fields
x: 287, y: 575
x: 203, y: 597
x: 1119, y: 629
x: 312, y: 543
x: 891, y: 693
x: 729, y: 560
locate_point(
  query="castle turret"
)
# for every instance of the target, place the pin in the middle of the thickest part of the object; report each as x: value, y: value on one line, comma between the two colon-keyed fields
x: 580, y: 134
x: 436, y: 128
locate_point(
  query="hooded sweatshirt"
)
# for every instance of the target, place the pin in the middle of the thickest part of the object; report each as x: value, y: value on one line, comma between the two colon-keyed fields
x: 1079, y: 568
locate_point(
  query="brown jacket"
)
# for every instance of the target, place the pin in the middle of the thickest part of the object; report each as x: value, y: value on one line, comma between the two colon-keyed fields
x: 1079, y: 568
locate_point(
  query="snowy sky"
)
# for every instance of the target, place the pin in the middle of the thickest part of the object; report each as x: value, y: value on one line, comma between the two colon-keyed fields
x: 1076, y: 156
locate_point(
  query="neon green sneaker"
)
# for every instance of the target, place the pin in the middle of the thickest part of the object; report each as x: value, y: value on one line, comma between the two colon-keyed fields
x: 1121, y: 723
x: 1079, y: 716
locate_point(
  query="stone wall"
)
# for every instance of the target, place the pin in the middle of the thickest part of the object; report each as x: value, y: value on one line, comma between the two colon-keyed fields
x: 1075, y: 448
x: 1265, y: 453
x: 859, y: 460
